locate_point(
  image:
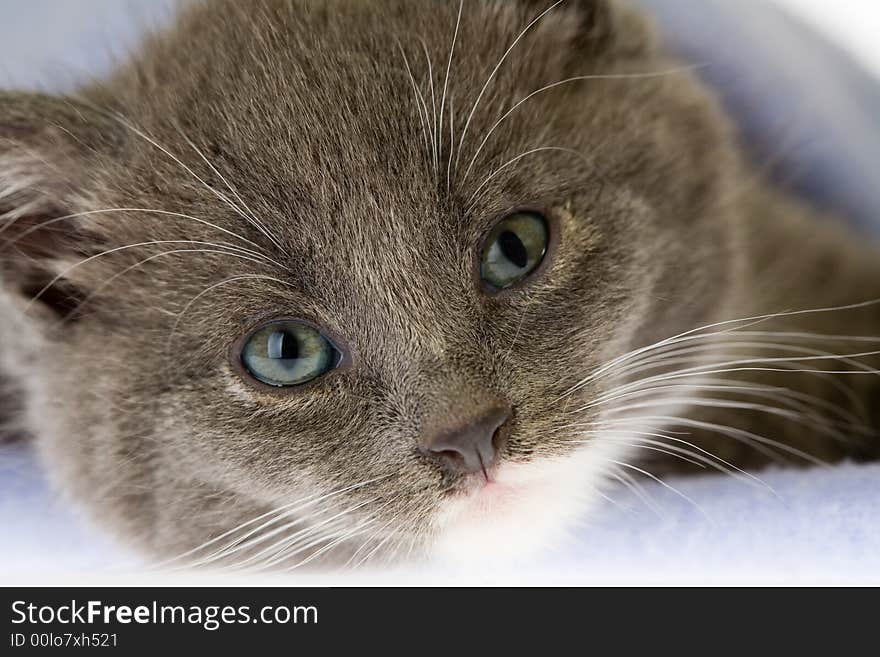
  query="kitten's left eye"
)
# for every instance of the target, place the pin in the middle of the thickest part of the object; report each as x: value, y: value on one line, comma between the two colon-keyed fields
x: 288, y: 353
x: 514, y: 249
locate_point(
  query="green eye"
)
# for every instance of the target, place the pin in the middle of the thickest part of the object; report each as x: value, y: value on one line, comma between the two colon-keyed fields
x: 514, y: 249
x: 288, y: 353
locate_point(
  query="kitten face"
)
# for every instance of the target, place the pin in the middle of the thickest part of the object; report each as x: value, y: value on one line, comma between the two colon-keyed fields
x: 295, y: 163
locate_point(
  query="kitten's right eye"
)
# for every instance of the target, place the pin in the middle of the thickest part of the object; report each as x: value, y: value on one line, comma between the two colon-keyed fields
x: 514, y: 249
x: 288, y: 353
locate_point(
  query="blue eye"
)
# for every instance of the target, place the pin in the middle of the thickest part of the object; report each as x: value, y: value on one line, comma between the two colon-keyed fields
x: 514, y: 249
x: 288, y: 353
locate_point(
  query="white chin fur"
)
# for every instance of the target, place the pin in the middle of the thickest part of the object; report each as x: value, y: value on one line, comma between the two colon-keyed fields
x: 528, y: 508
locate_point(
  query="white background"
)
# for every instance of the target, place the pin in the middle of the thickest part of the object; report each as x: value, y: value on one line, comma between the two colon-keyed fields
x: 852, y: 23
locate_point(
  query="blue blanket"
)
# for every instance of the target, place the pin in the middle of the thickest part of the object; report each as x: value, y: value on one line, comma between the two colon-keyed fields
x: 802, y: 104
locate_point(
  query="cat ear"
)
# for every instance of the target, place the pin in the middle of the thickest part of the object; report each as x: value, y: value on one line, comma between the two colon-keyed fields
x: 50, y: 148
x: 598, y: 29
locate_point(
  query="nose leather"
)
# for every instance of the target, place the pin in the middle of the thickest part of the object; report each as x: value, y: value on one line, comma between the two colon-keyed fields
x: 471, y: 445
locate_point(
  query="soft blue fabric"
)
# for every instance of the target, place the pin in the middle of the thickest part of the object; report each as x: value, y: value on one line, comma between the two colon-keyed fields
x: 51, y: 45
x: 801, y: 102
x: 817, y: 526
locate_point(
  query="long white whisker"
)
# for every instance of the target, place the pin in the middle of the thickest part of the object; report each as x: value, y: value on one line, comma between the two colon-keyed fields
x: 50, y: 222
x: 256, y: 224
x: 234, y: 191
x: 794, y: 398
x: 308, y: 500
x: 343, y: 538
x: 514, y: 160
x: 740, y: 435
x: 630, y: 483
x: 724, y: 403
x: 753, y: 320
x: 375, y: 534
x: 446, y: 86
x: 275, y: 548
x: 433, y: 105
x: 680, y: 454
x: 667, y: 357
x: 790, y: 364
x: 704, y: 455
x: 421, y: 106
x: 578, y: 78
x: 369, y: 555
x: 451, y: 140
x: 665, y: 485
x: 735, y: 366
x: 211, y: 288
x: 118, y: 249
x: 281, y: 549
x: 495, y: 71
x: 104, y: 284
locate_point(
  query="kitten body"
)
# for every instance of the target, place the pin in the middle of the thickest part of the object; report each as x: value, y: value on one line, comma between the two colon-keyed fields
x: 341, y: 163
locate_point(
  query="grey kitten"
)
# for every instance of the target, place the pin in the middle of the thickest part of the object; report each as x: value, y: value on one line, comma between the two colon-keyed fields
x: 338, y: 282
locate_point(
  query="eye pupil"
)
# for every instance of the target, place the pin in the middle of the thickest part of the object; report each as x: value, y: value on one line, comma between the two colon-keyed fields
x: 288, y: 353
x: 282, y: 345
x: 513, y: 248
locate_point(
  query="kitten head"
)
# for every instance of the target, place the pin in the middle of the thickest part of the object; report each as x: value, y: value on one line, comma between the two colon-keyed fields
x: 339, y: 263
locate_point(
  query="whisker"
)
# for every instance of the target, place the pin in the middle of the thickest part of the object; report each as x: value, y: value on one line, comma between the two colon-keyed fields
x: 697, y: 452
x: 665, y: 485
x: 104, y: 284
x: 630, y: 483
x: 451, y: 140
x: 495, y: 71
x: 748, y: 320
x: 723, y: 403
x: 785, y: 365
x: 366, y: 558
x: 229, y: 185
x: 272, y: 550
x: 791, y: 365
x: 679, y: 454
x: 542, y: 149
x: 287, y: 508
x: 421, y: 105
x: 255, y: 223
x: 740, y: 435
x: 519, y: 326
x: 282, y: 549
x: 50, y: 222
x: 443, y: 97
x: 795, y: 399
x: 666, y: 358
x: 375, y: 534
x: 433, y: 104
x: 119, y: 249
x: 208, y: 290
x: 578, y: 78
x: 357, y: 530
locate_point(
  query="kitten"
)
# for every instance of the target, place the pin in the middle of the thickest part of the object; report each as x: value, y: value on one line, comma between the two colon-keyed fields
x: 338, y: 282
